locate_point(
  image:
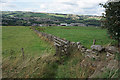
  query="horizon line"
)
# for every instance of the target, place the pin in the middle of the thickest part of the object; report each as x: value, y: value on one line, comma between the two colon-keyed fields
x: 49, y: 13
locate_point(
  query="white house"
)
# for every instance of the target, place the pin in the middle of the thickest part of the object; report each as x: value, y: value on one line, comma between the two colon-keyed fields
x: 63, y: 24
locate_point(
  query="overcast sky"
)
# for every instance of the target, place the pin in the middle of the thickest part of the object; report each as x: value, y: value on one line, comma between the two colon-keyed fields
x: 81, y: 7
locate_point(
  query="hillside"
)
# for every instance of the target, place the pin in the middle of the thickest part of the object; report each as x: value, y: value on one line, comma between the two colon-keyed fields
x: 39, y: 60
x: 20, y: 18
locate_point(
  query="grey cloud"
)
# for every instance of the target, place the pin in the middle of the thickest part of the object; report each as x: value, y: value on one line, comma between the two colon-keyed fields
x: 2, y: 1
x: 66, y: 6
x: 92, y: 7
x: 68, y: 3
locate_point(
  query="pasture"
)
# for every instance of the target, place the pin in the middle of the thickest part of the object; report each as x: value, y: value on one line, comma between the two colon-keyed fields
x: 40, y: 63
x: 16, y: 37
x: 14, y: 64
x: 85, y: 35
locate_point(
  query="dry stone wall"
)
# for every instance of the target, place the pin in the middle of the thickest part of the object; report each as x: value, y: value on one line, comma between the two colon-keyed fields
x: 65, y: 47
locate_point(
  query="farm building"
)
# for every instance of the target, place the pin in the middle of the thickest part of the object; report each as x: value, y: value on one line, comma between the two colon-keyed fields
x: 63, y: 24
x: 77, y: 24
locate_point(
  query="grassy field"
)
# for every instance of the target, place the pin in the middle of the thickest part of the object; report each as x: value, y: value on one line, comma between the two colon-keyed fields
x: 85, y: 35
x: 16, y: 37
x: 35, y: 49
x: 39, y: 60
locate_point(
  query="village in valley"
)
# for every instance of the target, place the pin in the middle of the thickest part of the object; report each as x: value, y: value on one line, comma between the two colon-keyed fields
x: 65, y: 39
x: 47, y: 19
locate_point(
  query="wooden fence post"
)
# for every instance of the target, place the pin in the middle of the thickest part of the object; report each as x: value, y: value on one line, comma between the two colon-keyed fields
x: 94, y: 41
x: 22, y: 50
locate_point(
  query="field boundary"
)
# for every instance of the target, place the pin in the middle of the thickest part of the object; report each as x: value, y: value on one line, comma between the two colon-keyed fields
x: 65, y: 47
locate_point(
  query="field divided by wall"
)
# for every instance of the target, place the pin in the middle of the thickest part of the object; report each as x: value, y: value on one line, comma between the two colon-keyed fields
x: 85, y: 35
x: 38, y: 62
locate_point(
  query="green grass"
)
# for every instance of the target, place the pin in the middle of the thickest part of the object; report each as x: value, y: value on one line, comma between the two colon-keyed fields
x: 26, y: 14
x: 16, y: 37
x: 37, y: 52
x: 71, y: 68
x: 57, y: 15
x: 38, y: 63
x: 92, y: 19
x: 85, y: 35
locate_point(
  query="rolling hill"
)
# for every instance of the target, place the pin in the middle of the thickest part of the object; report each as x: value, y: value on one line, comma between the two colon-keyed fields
x: 20, y: 18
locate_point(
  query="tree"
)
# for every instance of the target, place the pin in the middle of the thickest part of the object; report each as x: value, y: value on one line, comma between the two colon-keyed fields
x: 112, y: 20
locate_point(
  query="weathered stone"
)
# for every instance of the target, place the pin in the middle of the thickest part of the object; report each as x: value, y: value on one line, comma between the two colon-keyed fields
x: 108, y: 54
x: 86, y: 52
x: 89, y: 50
x: 94, y: 52
x: 63, y: 51
x: 97, y: 47
x: 88, y: 56
x: 73, y: 44
x: 83, y: 50
x: 111, y: 49
x: 78, y: 43
x: 79, y: 47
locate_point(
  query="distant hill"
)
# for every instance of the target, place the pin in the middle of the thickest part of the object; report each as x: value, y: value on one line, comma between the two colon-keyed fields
x: 21, y: 18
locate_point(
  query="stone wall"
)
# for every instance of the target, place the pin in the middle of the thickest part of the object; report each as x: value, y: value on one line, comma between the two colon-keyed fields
x: 65, y: 47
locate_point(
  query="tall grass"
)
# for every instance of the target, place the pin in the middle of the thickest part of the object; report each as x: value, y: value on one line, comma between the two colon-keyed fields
x: 33, y: 63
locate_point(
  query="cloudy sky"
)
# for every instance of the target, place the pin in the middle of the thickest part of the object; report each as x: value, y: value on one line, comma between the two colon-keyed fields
x: 81, y: 7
